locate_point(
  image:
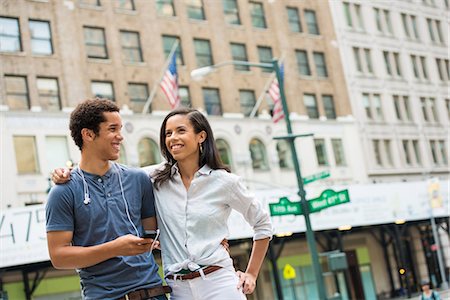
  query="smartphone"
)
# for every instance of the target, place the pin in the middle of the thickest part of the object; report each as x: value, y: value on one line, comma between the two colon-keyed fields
x: 150, y: 234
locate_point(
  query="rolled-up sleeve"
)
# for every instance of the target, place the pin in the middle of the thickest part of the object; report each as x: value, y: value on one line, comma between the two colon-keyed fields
x: 243, y: 201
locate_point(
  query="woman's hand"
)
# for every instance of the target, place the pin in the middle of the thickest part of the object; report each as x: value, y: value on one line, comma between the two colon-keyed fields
x: 225, y: 244
x: 60, y: 175
x: 247, y: 282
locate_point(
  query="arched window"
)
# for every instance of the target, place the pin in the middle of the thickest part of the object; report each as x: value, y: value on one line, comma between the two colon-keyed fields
x: 258, y: 154
x: 148, y: 152
x: 284, y: 155
x: 224, y: 151
x: 123, y: 155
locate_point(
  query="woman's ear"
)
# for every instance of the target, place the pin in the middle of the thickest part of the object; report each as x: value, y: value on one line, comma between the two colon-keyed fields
x: 203, y: 136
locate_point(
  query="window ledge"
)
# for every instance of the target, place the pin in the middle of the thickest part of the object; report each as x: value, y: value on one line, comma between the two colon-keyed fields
x: 17, y: 53
x: 99, y: 60
x: 135, y: 64
x: 126, y: 11
x: 49, y: 56
x: 93, y: 7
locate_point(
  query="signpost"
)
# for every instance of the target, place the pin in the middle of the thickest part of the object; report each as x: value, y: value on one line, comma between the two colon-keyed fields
x: 285, y: 207
x: 317, y: 176
x: 327, y: 199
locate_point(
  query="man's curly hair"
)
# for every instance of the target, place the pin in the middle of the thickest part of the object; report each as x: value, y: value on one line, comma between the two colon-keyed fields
x: 89, y: 114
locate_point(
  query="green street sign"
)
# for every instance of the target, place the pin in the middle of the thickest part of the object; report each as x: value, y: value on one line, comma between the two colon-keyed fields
x: 315, y: 177
x: 285, y: 207
x: 327, y: 199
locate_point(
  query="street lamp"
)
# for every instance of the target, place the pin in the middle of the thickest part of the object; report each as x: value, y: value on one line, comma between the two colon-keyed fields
x: 290, y: 137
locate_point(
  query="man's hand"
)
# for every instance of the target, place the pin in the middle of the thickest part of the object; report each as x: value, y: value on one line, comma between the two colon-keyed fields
x: 60, y: 175
x: 225, y: 244
x: 247, y: 282
x: 128, y: 245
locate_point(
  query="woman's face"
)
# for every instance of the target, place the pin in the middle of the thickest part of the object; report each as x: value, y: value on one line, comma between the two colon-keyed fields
x: 181, y: 140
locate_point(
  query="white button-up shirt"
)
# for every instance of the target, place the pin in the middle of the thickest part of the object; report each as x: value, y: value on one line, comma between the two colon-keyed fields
x: 193, y: 222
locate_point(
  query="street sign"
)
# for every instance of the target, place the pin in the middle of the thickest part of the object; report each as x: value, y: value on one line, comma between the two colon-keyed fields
x: 289, y: 272
x: 285, y: 207
x: 315, y: 177
x: 327, y: 199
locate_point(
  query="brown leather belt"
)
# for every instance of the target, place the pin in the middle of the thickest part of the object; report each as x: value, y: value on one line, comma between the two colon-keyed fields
x: 195, y: 274
x: 147, y: 293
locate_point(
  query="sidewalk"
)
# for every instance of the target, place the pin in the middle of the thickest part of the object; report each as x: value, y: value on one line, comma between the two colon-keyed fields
x: 445, y: 295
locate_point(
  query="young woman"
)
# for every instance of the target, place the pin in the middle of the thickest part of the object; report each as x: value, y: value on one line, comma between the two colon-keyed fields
x: 194, y: 196
x: 427, y: 292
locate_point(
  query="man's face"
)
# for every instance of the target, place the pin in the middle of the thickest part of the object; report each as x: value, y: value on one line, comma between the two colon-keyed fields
x: 107, y: 141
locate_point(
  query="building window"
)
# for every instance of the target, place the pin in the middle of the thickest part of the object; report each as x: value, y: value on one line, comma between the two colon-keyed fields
x: 382, y: 153
x: 429, y: 112
x: 443, y: 69
x: 224, y: 152
x: 310, y: 103
x: 203, y: 53
x: 48, y: 91
x: 138, y: 93
x: 372, y: 106
x: 383, y: 21
x: 131, y: 46
x: 124, y: 4
x: 56, y: 151
x: 392, y: 63
x: 447, y: 106
x: 90, y: 2
x: 302, y: 62
x: 103, y: 89
x: 410, y: 26
x: 148, y: 152
x: 257, y: 15
x: 438, y: 152
x: 435, y: 31
x: 311, y: 22
x: 352, y: 12
x: 328, y: 105
x: 195, y: 9
x: 363, y: 60
x: 10, y: 35
x: 212, y: 102
x: 321, y: 152
x: 248, y: 101
x: 338, y: 151
x: 231, y: 12
x: 321, y: 66
x: 165, y: 8
x: 284, y: 155
x: 41, y: 37
x: 239, y: 53
x: 17, y: 97
x: 95, y: 42
x: 411, y: 152
x: 402, y: 108
x: 419, y: 66
x: 183, y: 92
x: 26, y: 154
x: 258, y: 155
x: 265, y: 56
x: 294, y: 19
x: 168, y: 41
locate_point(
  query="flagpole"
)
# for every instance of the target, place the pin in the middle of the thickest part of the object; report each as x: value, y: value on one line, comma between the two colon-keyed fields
x: 263, y: 94
x: 156, y: 84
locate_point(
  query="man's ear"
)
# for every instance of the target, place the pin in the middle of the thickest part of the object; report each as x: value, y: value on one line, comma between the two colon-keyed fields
x: 87, y: 134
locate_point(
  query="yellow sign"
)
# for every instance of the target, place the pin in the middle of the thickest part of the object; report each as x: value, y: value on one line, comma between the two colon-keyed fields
x: 289, y: 272
x: 434, y: 193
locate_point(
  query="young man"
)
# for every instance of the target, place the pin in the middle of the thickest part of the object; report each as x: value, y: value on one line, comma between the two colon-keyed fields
x: 96, y: 220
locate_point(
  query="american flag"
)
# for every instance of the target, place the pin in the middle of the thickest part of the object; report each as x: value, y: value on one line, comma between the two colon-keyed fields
x: 274, y: 93
x: 169, y: 82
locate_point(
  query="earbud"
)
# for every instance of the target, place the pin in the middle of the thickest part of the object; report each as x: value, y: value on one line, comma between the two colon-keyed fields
x: 87, y: 200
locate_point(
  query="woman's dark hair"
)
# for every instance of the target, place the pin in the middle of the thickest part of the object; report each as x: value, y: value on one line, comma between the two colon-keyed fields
x: 209, y: 156
x: 89, y: 114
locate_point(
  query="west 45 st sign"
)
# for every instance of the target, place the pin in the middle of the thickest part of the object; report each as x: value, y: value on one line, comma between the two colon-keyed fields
x: 327, y: 199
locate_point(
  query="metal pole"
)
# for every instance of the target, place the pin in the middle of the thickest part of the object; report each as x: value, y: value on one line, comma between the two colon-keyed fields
x: 276, y: 275
x: 301, y: 191
x: 444, y: 284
